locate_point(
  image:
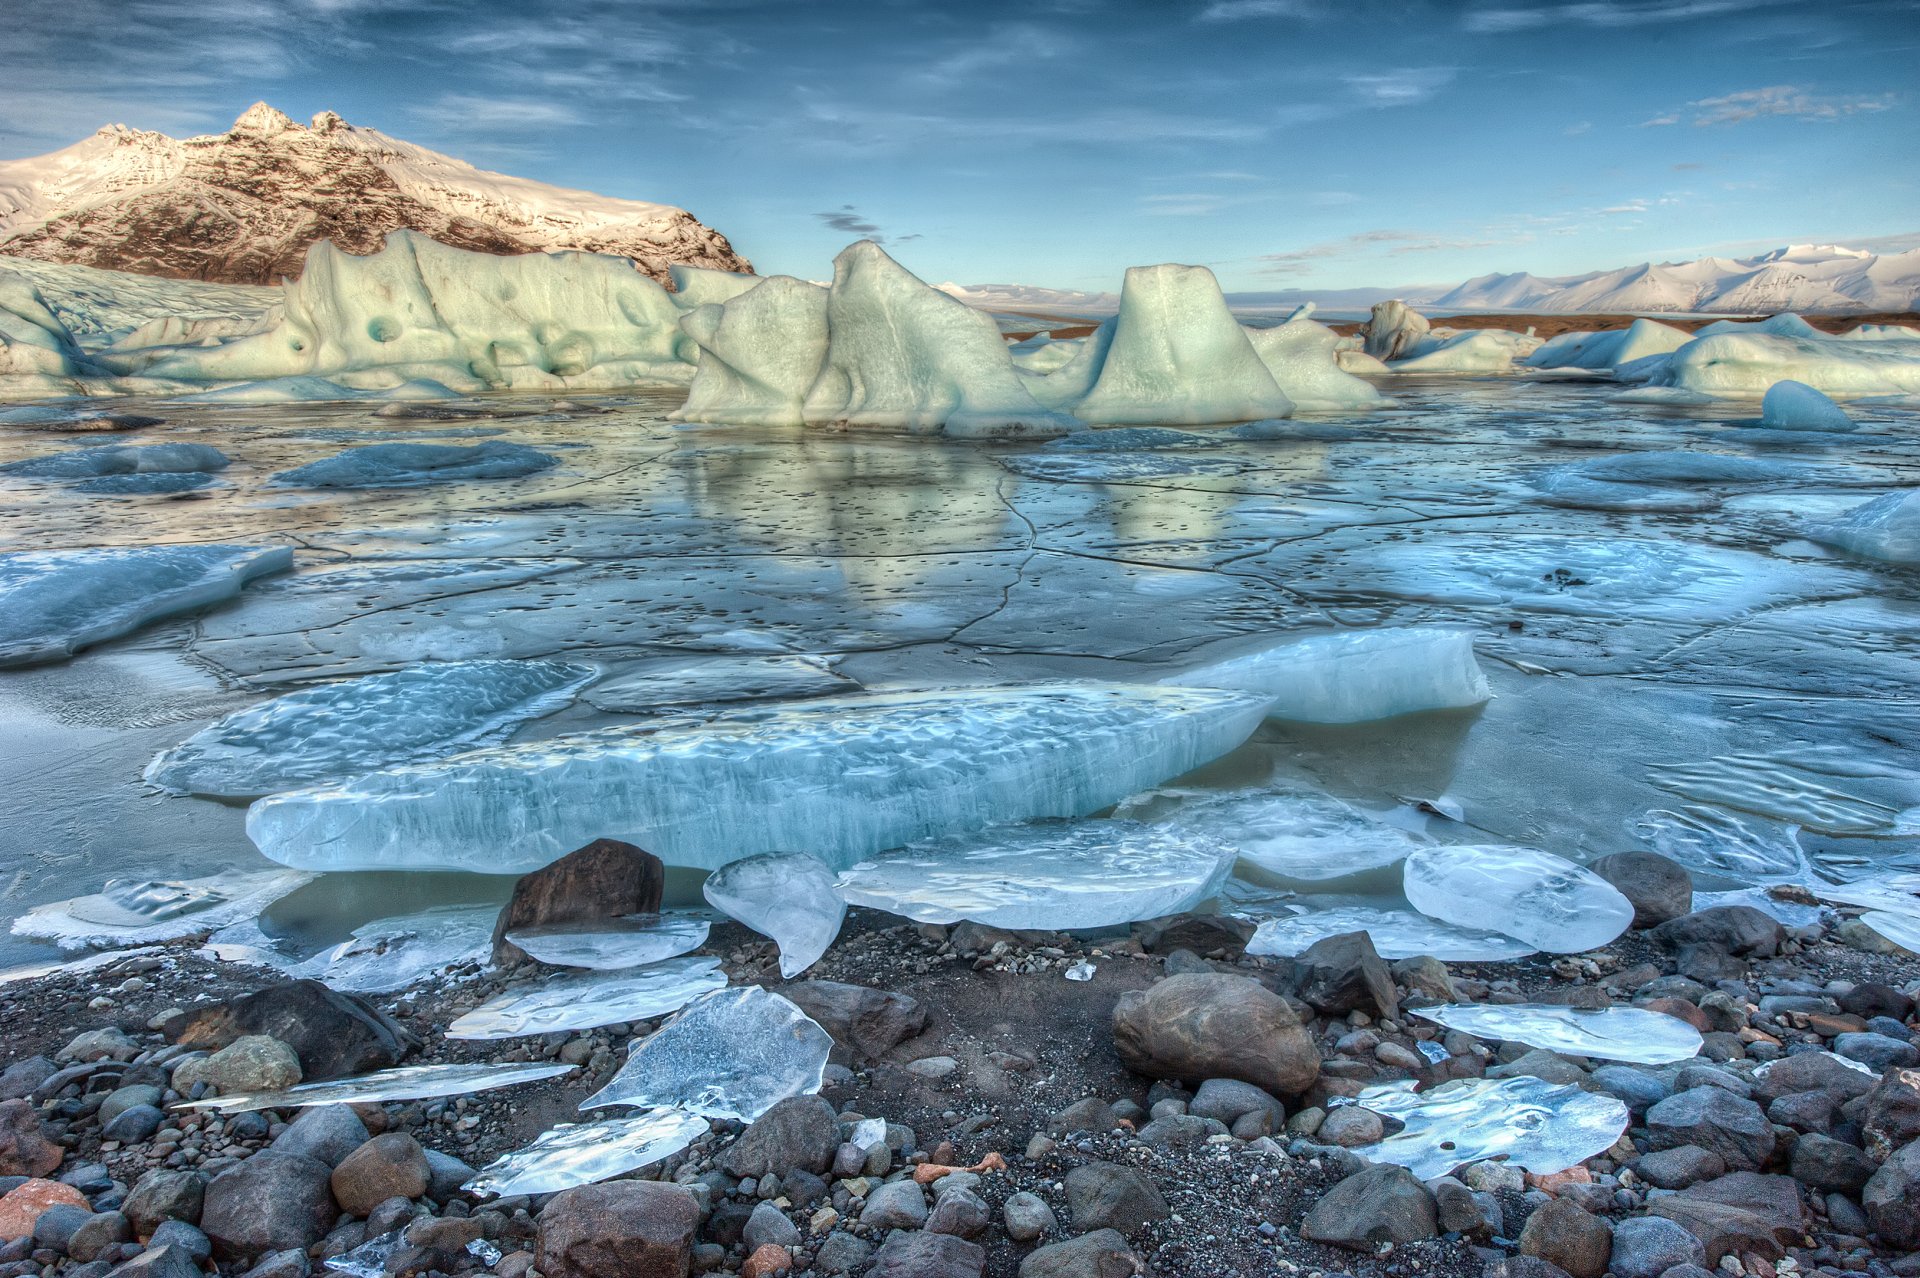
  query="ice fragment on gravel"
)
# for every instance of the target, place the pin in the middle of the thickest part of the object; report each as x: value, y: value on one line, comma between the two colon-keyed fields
x: 1353, y: 677
x: 408, y: 1082
x: 587, y: 1002
x: 1544, y: 900
x: 1080, y: 972
x: 390, y: 954
x: 789, y: 896
x: 144, y: 911
x: 1396, y: 934
x: 716, y: 679
x: 732, y: 1054
x: 587, y: 1153
x: 1298, y: 838
x: 1535, y: 1125
x: 1631, y: 1034
x: 613, y: 945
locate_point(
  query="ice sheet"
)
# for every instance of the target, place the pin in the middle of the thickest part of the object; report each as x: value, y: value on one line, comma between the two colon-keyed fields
x: 147, y: 911
x: 1354, y: 677
x: 587, y: 1002
x: 615, y: 945
x: 1631, y: 1034
x: 408, y: 1082
x: 1396, y: 934
x: 1533, y: 896
x: 1532, y: 1124
x: 587, y: 1153
x: 788, y: 896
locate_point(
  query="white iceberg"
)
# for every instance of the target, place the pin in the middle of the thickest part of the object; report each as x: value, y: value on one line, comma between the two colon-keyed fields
x: 1544, y: 900
x: 569, y: 1003
x: 697, y: 286
x: 615, y: 945
x: 840, y: 777
x: 1745, y: 365
x: 788, y: 896
x: 1396, y: 934
x: 717, y: 679
x: 1791, y: 405
x: 760, y: 354
x: 1299, y: 839
x: 1479, y: 350
x: 416, y: 465
x: 733, y: 1054
x: 148, y: 911
x: 588, y: 1153
x: 1084, y: 874
x: 1393, y: 331
x: 54, y: 603
x: 1303, y: 357
x: 408, y: 1082
x: 1527, y: 1122
x: 1639, y: 340
x: 1355, y: 676
x: 1886, y: 528
x: 340, y: 730
x: 1631, y: 1034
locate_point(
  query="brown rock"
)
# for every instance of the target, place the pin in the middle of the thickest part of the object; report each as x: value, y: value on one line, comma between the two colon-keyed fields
x: 389, y: 1166
x: 335, y: 1035
x: 767, y: 1260
x: 621, y: 1229
x: 24, y: 1203
x: 1563, y: 1233
x: 1743, y: 1213
x: 603, y: 880
x: 1197, y: 1027
x: 868, y: 1023
x: 24, y: 1148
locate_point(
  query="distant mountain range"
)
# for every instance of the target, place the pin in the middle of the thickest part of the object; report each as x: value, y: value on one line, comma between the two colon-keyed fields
x: 242, y: 207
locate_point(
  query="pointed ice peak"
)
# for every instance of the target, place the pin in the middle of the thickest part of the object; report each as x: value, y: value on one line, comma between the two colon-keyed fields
x: 261, y: 118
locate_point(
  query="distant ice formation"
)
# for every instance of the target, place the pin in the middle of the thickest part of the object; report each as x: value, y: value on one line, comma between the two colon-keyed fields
x: 1745, y: 365
x: 1611, y: 349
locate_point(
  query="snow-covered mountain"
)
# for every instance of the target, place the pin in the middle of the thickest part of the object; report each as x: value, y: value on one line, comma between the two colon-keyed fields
x: 241, y: 207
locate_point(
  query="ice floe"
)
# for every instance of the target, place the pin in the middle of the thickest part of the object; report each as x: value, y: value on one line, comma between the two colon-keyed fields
x: 733, y: 1054
x: 407, y: 1082
x: 1791, y: 405
x: 340, y: 730
x: 1084, y: 874
x: 393, y: 953
x: 718, y: 679
x: 1527, y: 1122
x: 1631, y: 1034
x: 587, y: 1002
x: 146, y: 911
x: 1886, y: 528
x: 54, y: 603
x: 1609, y: 350
x: 1396, y: 934
x: 414, y: 465
x: 1533, y: 896
x: 1354, y: 676
x: 788, y: 896
x: 614, y: 945
x: 840, y: 777
x: 119, y: 460
x: 587, y: 1153
x: 1298, y: 838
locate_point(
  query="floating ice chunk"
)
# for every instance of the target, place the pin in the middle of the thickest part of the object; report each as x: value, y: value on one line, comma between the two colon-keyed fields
x: 1902, y: 929
x: 1480, y: 350
x: 759, y: 355
x: 1049, y: 876
x: 156, y: 485
x: 732, y: 1054
x: 840, y: 777
x: 1303, y: 358
x: 1886, y: 528
x: 54, y: 603
x: 1354, y: 677
x: 588, y: 1153
x: 340, y: 730
x: 1681, y: 467
x: 1396, y: 934
x: 146, y: 911
x: 1544, y: 900
x: 1569, y: 486
x: 587, y: 1002
x: 716, y: 679
x: 1609, y: 350
x: 1534, y: 1125
x: 1394, y: 330
x: 1745, y: 365
x: 1178, y: 355
x: 788, y: 896
x: 414, y: 465
x: 408, y: 1082
x: 1707, y: 839
x: 615, y: 945
x: 91, y: 463
x: 394, y: 953
x: 1791, y: 405
x: 1298, y: 839
x: 902, y: 354
x: 1611, y: 1033
x: 1894, y: 892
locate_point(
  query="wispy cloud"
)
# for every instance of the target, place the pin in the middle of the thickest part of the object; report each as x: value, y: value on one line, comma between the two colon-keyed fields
x: 1405, y: 86
x: 1003, y: 45
x: 1606, y: 13
x: 1387, y: 241
x: 1786, y: 100
x: 1253, y: 10
x: 465, y: 111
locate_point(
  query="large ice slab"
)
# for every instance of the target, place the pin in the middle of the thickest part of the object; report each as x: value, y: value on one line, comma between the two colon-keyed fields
x: 1303, y: 357
x: 1298, y: 838
x: 588, y: 1153
x: 1396, y: 934
x: 54, y: 603
x: 1610, y: 1033
x: 1533, y: 896
x: 340, y: 730
x: 1082, y: 874
x: 1355, y: 676
x: 1886, y: 528
x: 840, y: 777
x: 586, y: 1002
x: 118, y: 459
x: 1528, y: 1122
x: 1902, y: 929
x: 147, y: 911
x: 408, y: 1082
x: 416, y: 465
x: 1745, y: 365
x: 615, y: 945
x: 760, y: 354
x: 1609, y: 350
x: 1791, y: 405
x: 718, y: 679
x: 788, y: 896
x: 734, y: 1054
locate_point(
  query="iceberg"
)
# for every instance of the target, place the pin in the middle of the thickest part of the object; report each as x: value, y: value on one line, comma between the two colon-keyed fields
x: 1886, y: 528
x: 1396, y: 934
x: 1631, y: 1034
x: 1354, y: 677
x: 149, y: 911
x: 697, y: 286
x: 408, y: 1082
x: 120, y: 460
x: 415, y: 465
x: 760, y: 354
x: 1533, y: 896
x: 586, y: 1002
x: 1791, y: 405
x: 1609, y: 350
x: 717, y: 679
x: 1177, y: 354
x: 54, y: 603
x: 340, y: 730
x: 1298, y: 839
x: 1479, y: 350
x: 391, y: 954
x: 614, y: 945
x: 1745, y: 365
x: 788, y: 896
x: 1527, y: 1122
x: 38, y: 355
x: 840, y: 777
x: 1393, y: 331
x: 588, y: 1153
x: 1303, y: 357
x: 732, y: 1054
x: 1085, y: 874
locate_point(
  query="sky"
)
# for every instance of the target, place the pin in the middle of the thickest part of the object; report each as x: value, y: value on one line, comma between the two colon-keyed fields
x: 1284, y: 143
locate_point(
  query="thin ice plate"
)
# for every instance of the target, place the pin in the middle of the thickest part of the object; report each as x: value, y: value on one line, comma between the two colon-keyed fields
x: 615, y: 944
x: 789, y: 896
x: 1396, y: 934
x: 409, y: 1082
x: 586, y: 1153
x: 586, y: 1002
x: 732, y: 1054
x: 1539, y: 1126
x: 1631, y: 1034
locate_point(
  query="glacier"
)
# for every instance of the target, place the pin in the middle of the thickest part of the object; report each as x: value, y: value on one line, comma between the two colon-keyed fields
x: 840, y: 777
x: 412, y: 465
x: 340, y: 730
x: 788, y: 896
x: 1533, y: 896
x: 1886, y: 528
x: 1353, y: 677
x: 54, y: 603
x: 1791, y: 405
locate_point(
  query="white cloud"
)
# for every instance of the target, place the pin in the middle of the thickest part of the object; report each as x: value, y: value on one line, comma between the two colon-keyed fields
x: 1606, y: 13
x: 1787, y: 100
x: 459, y: 112
x: 1253, y: 10
x: 1406, y: 86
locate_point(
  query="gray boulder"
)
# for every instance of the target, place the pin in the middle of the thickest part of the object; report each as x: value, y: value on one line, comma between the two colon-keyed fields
x: 1100, y: 1254
x: 1110, y: 1196
x: 1648, y: 1246
x: 1215, y: 1026
x: 800, y: 1132
x: 1380, y: 1204
x: 270, y: 1202
x: 1716, y: 1120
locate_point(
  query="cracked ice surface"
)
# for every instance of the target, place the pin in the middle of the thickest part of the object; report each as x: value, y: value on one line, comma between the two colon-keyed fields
x: 717, y: 679
x: 615, y: 945
x: 340, y: 730
x: 838, y: 777
x: 587, y: 1153
x: 1631, y: 1034
x: 1544, y: 900
x: 1046, y: 876
x: 146, y: 911
x: 788, y: 896
x: 408, y: 1082
x: 1535, y: 1125
x: 1396, y: 934
x: 587, y: 1002
x: 732, y: 1054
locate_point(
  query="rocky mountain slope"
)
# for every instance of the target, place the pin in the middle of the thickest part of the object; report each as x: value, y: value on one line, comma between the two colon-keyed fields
x: 242, y: 207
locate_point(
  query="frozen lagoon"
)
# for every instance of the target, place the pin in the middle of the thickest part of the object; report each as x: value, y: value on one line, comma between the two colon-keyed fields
x: 1711, y: 662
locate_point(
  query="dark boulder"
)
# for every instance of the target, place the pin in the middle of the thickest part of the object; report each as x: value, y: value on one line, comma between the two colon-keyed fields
x: 603, y: 880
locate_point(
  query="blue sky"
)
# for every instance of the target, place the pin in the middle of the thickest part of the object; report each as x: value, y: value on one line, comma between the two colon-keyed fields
x: 1285, y: 143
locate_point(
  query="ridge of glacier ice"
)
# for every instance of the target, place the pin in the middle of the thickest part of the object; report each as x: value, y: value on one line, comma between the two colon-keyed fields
x: 788, y: 896
x: 840, y: 777
x: 1353, y: 676
x: 1546, y: 901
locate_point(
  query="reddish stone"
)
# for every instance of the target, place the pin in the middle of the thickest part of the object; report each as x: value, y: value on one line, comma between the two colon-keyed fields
x: 24, y: 1147
x: 767, y: 1260
x: 21, y: 1208
x: 603, y: 880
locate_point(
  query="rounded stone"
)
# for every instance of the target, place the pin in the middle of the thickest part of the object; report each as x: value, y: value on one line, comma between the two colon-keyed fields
x: 388, y: 1166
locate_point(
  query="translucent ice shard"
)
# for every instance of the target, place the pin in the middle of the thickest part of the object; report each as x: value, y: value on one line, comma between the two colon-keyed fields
x: 1745, y: 849
x: 788, y: 896
x: 145, y: 911
x: 1544, y: 900
x: 1535, y: 1125
x: 1298, y: 838
x: 733, y: 1054
x: 586, y: 1002
x: 343, y: 729
x: 1631, y: 1034
x: 391, y: 954
x: 614, y: 945
x: 717, y: 679
x: 1355, y: 676
x: 1791, y: 405
x: 1896, y: 892
x: 54, y: 603
x: 369, y: 1259
x: 1074, y: 875
x: 412, y: 465
x: 840, y: 777
x: 1886, y: 528
x: 759, y: 354
x: 587, y: 1153
x: 1396, y: 934
x: 408, y: 1082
